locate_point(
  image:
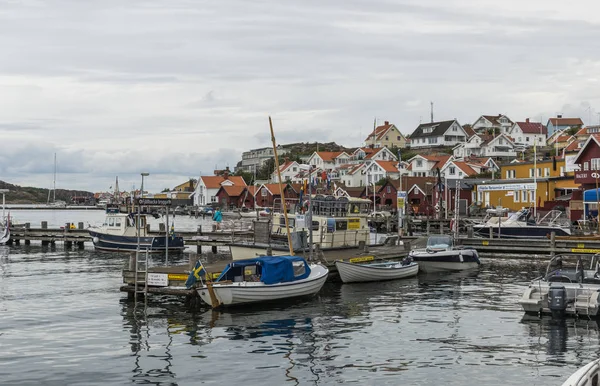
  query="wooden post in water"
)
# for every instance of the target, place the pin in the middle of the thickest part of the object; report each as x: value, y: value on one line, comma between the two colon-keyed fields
x: 552, y: 244
x: 491, y: 233
x: 285, y: 214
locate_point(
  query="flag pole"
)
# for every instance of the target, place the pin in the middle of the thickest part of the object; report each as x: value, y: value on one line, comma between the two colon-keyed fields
x: 285, y: 214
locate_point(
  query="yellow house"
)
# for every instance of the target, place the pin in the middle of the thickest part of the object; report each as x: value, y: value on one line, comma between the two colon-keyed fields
x: 386, y: 135
x: 526, y: 184
x: 180, y: 192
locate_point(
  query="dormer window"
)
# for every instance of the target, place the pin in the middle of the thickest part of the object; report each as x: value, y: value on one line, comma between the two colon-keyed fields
x: 427, y: 130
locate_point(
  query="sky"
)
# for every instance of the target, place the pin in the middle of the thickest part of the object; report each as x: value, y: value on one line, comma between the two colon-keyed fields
x: 178, y: 88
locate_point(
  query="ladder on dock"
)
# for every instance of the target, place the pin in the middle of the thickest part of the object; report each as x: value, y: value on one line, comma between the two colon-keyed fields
x: 141, y: 275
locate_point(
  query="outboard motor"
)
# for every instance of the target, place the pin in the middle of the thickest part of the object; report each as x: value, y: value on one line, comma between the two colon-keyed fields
x: 557, y: 301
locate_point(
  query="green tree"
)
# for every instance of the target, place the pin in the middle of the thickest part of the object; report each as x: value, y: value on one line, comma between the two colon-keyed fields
x: 247, y: 176
x: 265, y: 171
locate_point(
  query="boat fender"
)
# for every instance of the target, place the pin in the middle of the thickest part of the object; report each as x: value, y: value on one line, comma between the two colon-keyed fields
x: 95, y: 240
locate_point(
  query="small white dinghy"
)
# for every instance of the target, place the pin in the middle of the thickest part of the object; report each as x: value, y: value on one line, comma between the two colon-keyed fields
x: 5, y: 231
x: 264, y: 279
x: 353, y: 272
x: 586, y: 376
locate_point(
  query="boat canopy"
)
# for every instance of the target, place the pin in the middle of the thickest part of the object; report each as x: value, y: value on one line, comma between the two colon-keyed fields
x: 267, y: 269
x: 591, y: 196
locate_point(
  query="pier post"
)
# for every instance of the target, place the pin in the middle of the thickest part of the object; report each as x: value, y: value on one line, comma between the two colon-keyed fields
x: 44, y: 224
x: 132, y: 262
x: 80, y: 225
x: 428, y: 227
x: 27, y: 225
x: 552, y: 244
x: 491, y: 233
x: 199, y: 248
x: 470, y: 231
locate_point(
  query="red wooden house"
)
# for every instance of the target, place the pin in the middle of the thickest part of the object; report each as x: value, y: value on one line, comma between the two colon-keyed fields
x: 267, y: 194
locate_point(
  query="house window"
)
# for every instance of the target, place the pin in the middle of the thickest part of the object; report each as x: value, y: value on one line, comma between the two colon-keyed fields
x: 530, y: 173
x: 398, y: 138
x: 452, y: 170
x: 523, y: 196
x: 386, y: 138
x: 263, y: 192
x: 586, y: 166
x: 427, y: 130
x: 516, y: 196
x: 454, y: 128
x: 562, y: 171
x: 389, y: 189
x: 420, y: 163
x: 539, y: 172
x: 460, y: 174
x: 526, y: 139
x: 294, y: 169
x: 213, y: 199
x: 546, y: 172
x: 507, y: 174
x: 532, y: 196
x: 595, y: 163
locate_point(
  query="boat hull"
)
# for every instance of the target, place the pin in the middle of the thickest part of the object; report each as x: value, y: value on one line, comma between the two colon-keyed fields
x: 354, y: 273
x: 444, y: 261
x: 241, y: 293
x: 585, y: 375
x: 581, y: 299
x: 524, y: 232
x: 117, y: 243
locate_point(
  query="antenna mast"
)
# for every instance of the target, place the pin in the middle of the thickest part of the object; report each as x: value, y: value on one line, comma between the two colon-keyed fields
x: 431, y: 103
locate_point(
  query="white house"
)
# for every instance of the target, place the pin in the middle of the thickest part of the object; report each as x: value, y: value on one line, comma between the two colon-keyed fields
x: 454, y: 170
x: 208, y: 186
x: 354, y: 176
x: 481, y: 145
x: 289, y: 170
x: 529, y: 133
x: 487, y: 122
x: 446, y: 133
x: 326, y: 160
x: 377, y: 170
x: 426, y: 165
x: 368, y: 153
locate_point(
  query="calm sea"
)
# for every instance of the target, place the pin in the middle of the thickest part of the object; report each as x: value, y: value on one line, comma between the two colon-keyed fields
x: 63, y: 321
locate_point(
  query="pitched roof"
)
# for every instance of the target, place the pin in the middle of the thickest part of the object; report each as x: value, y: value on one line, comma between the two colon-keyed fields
x: 274, y: 188
x: 566, y: 121
x: 388, y: 166
x: 285, y: 165
x: 378, y: 133
x: 214, y: 182
x: 469, y: 130
x: 234, y: 190
x: 439, y: 128
x: 573, y: 146
x: 328, y: 156
x: 440, y: 160
x: 532, y: 128
x: 408, y: 182
x: 468, y: 170
x: 495, y: 119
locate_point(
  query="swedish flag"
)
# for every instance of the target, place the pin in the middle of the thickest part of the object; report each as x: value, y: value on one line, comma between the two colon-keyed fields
x: 195, y: 275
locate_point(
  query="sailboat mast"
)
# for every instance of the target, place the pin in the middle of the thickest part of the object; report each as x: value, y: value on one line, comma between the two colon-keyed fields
x: 54, y: 181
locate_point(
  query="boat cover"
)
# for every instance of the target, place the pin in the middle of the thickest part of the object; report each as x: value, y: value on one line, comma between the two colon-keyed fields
x: 273, y: 269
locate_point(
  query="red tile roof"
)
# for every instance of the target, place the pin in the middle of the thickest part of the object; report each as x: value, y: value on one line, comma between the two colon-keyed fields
x: 532, y: 128
x: 214, y: 182
x: 328, y: 156
x: 573, y: 146
x: 566, y: 121
x: 440, y: 160
x: 379, y: 132
x: 469, y: 130
x: 469, y: 171
x: 233, y: 191
x: 388, y: 166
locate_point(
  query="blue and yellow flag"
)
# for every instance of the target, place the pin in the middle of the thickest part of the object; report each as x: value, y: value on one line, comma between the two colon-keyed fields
x: 195, y: 275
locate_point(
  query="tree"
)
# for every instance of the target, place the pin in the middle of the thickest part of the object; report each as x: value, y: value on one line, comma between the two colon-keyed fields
x: 247, y: 176
x: 265, y: 171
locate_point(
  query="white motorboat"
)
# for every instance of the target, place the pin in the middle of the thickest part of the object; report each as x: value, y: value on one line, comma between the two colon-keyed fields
x: 585, y: 376
x: 264, y: 279
x: 521, y: 225
x: 440, y: 255
x: 120, y: 233
x: 570, y: 289
x: 356, y: 272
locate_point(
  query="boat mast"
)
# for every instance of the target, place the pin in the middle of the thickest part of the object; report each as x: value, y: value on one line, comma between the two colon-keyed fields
x: 285, y: 215
x: 54, y: 182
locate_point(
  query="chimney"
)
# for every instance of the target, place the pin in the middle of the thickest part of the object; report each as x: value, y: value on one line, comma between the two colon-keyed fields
x: 558, y: 115
x: 386, y: 123
x: 226, y: 173
x: 527, y: 120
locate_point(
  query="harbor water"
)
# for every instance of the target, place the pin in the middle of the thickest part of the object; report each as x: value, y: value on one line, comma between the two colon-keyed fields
x: 64, y: 322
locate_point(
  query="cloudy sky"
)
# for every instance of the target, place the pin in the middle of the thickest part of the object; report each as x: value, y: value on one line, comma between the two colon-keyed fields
x: 176, y: 88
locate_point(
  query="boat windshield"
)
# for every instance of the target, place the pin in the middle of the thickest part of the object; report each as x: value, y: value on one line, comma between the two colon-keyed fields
x: 440, y: 241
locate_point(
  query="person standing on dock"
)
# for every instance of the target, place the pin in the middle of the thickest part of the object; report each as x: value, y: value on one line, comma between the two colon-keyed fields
x: 218, y: 217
